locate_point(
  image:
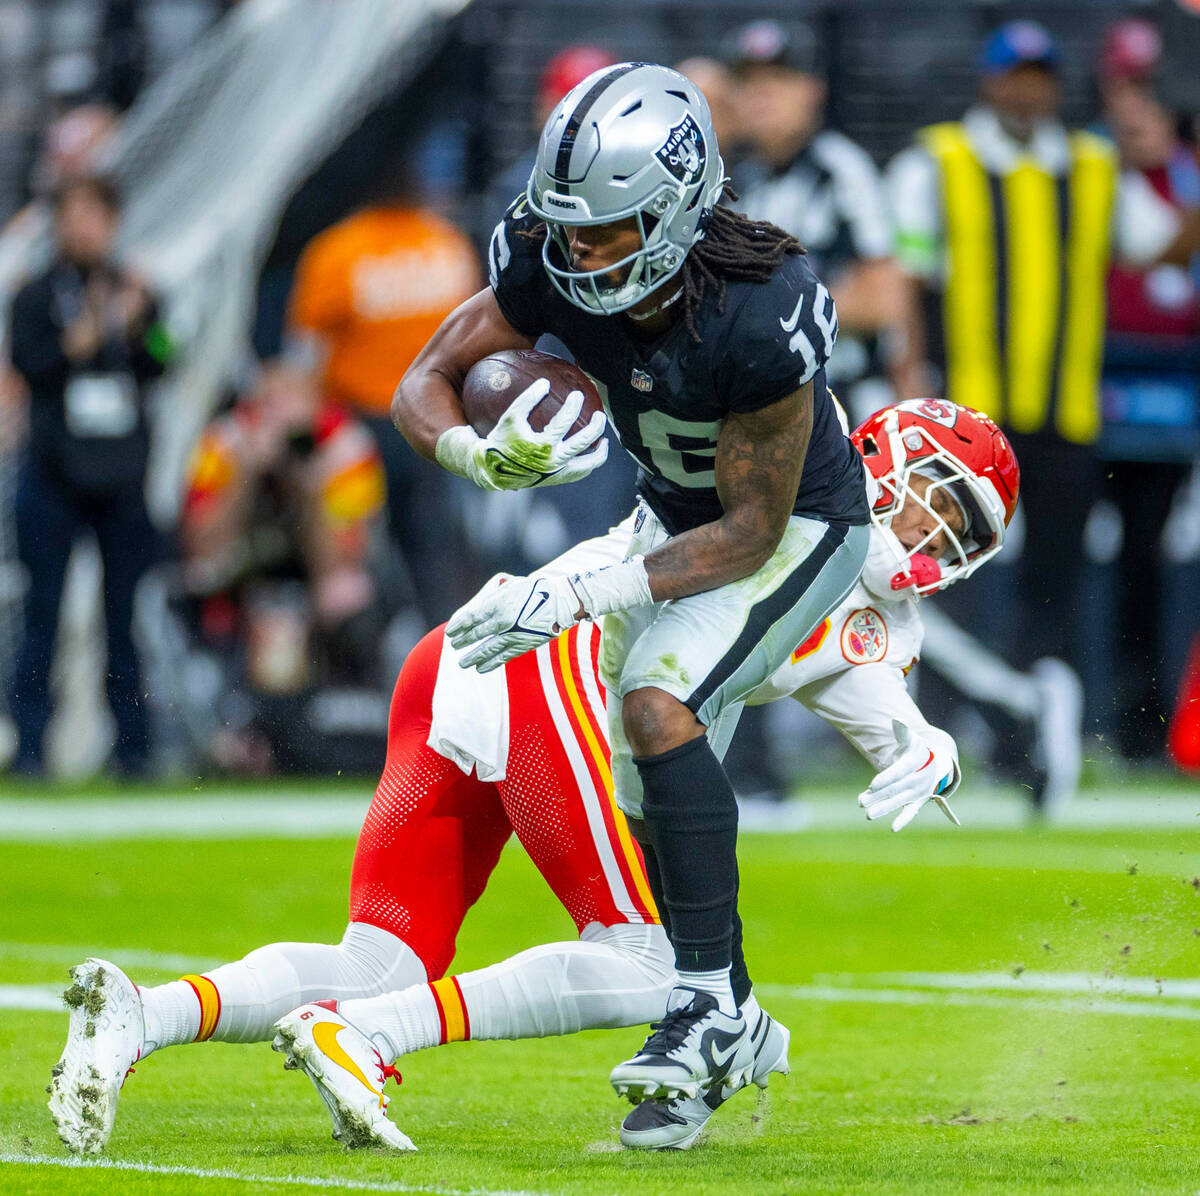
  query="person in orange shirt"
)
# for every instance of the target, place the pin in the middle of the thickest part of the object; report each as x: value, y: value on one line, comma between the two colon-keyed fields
x: 369, y: 292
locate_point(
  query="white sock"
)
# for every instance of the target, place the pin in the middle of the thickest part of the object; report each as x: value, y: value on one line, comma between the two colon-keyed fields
x: 397, y: 1023
x: 172, y: 1015
x: 242, y: 1001
x: 751, y: 1011
x: 613, y: 976
x: 716, y: 983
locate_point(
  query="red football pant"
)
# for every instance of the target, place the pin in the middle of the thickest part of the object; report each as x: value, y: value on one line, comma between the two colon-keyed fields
x: 433, y: 835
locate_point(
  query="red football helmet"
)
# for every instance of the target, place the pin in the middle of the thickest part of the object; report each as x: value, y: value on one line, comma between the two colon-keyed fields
x: 957, y: 450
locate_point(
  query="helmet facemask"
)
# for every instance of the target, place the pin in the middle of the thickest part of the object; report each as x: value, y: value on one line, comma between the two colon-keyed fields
x: 982, y: 535
x: 637, y: 274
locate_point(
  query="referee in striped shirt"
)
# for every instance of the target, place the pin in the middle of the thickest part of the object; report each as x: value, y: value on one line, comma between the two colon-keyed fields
x: 823, y: 189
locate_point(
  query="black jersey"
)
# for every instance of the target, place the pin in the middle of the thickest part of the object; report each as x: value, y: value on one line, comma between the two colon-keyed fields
x: 667, y: 400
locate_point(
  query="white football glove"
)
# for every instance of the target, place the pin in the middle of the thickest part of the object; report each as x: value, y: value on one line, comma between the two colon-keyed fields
x: 513, y: 456
x: 511, y: 615
x: 924, y: 769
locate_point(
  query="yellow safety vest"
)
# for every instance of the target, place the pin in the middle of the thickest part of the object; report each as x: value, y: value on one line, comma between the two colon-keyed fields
x: 1023, y: 308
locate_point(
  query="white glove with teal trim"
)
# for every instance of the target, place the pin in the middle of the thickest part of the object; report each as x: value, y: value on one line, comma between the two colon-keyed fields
x: 512, y: 456
x: 926, y: 767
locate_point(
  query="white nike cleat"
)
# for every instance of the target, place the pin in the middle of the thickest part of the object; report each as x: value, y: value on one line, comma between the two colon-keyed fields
x: 676, y: 1124
x: 692, y: 1048
x: 346, y: 1070
x: 104, y: 1040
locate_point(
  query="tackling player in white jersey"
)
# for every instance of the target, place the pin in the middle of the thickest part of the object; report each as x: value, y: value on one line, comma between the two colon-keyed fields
x: 472, y: 758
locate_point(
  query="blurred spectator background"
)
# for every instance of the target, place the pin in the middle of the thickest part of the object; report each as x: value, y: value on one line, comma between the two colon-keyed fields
x: 86, y: 340
x: 367, y: 294
x: 823, y: 188
x: 1006, y: 222
x: 284, y: 567
x: 304, y: 183
x: 1150, y: 436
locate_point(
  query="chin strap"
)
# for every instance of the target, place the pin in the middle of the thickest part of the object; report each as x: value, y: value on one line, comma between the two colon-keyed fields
x: 661, y: 307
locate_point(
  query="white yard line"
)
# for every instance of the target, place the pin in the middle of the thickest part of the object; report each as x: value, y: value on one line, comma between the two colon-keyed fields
x: 299, y: 1181
x: 281, y: 816
x: 1081, y: 983
x: 978, y: 1000
x: 226, y: 814
x: 32, y: 998
x: 988, y: 809
x: 163, y: 961
x: 1178, y: 999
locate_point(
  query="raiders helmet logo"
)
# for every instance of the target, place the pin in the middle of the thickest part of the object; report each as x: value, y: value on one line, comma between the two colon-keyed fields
x: 683, y: 153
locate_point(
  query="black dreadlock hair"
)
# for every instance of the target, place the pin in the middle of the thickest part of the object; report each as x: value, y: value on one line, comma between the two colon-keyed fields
x: 734, y: 248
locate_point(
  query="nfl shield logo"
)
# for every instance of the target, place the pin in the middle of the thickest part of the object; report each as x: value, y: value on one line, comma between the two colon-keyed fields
x: 641, y: 380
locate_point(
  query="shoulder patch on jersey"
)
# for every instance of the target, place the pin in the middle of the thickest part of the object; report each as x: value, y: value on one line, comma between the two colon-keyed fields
x: 811, y: 644
x: 864, y: 636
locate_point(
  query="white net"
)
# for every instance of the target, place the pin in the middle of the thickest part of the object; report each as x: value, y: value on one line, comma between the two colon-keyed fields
x: 207, y: 160
x: 210, y: 156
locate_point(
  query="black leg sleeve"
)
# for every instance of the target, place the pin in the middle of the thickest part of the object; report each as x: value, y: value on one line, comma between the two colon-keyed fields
x: 739, y: 975
x: 690, y: 815
x: 654, y: 878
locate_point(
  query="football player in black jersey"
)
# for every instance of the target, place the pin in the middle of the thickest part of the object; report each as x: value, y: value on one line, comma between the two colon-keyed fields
x: 706, y: 334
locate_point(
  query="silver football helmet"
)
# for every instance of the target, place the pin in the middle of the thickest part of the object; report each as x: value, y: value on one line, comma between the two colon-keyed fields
x: 632, y: 140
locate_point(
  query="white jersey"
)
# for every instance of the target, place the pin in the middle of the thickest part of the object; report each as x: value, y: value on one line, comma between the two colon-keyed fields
x: 875, y: 625
x: 851, y: 671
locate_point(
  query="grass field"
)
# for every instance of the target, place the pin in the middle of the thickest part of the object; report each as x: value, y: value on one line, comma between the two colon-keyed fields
x: 990, y: 1010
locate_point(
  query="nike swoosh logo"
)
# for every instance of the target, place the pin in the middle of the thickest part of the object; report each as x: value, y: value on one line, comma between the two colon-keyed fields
x: 789, y: 325
x: 721, y: 1058
x: 542, y: 596
x: 717, y: 1048
x: 507, y: 467
x: 325, y: 1036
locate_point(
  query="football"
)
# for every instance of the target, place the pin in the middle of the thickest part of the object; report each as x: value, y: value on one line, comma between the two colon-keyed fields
x: 492, y: 384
